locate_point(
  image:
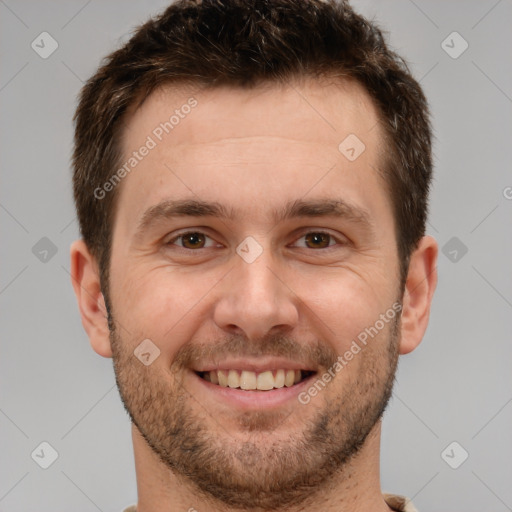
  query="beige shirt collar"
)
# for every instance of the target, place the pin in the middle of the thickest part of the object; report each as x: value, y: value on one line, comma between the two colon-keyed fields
x: 399, y: 503
x: 396, y: 502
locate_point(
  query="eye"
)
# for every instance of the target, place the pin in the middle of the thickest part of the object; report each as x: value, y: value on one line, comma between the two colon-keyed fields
x: 192, y: 240
x: 198, y: 240
x: 318, y: 240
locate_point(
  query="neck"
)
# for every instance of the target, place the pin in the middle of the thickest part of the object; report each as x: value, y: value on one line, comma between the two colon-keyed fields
x: 355, y: 489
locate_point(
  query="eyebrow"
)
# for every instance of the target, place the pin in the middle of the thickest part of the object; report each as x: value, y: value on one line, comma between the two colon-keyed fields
x: 328, y: 207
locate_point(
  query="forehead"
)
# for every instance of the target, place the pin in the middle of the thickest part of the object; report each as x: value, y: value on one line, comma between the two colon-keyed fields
x: 326, y: 107
x: 243, y: 145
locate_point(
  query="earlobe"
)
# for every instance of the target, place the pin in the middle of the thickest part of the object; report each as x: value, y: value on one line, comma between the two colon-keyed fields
x: 86, y: 283
x: 419, y: 290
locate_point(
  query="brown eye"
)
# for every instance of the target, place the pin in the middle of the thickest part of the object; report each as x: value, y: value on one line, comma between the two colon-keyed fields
x: 317, y: 240
x: 193, y: 240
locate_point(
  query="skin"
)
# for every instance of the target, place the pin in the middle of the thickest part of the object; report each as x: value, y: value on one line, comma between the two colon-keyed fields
x: 254, y: 151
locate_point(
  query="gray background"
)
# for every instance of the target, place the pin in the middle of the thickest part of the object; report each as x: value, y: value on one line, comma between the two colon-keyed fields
x: 457, y: 386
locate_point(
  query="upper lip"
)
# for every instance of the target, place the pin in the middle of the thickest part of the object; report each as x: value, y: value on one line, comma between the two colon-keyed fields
x: 254, y: 365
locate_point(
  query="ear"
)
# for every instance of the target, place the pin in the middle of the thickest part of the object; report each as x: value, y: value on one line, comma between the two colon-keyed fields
x: 419, y: 290
x: 86, y: 283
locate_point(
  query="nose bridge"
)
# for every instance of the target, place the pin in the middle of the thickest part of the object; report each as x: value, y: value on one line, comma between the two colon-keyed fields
x: 259, y: 284
x: 253, y: 262
x: 254, y: 299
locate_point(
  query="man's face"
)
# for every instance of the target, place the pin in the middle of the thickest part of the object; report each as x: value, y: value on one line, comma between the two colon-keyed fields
x: 255, y: 291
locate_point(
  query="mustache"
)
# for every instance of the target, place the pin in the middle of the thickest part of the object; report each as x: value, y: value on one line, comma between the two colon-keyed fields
x: 314, y: 353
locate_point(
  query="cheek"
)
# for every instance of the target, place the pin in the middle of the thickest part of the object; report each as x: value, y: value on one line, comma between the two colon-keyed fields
x: 162, y: 304
x: 345, y: 302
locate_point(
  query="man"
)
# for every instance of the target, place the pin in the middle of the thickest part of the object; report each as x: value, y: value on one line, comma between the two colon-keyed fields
x: 251, y: 181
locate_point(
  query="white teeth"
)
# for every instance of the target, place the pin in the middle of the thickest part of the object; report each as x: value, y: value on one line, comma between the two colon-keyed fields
x: 248, y: 380
x: 233, y: 379
x: 265, y: 381
x: 279, y: 379
x: 289, y: 378
x: 223, y: 378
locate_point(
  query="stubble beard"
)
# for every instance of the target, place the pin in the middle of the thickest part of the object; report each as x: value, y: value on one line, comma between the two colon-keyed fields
x: 258, y: 470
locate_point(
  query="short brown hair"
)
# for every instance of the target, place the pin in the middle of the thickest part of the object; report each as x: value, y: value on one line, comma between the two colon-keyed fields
x: 244, y: 43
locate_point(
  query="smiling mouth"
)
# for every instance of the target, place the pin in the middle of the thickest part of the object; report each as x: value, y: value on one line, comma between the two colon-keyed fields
x: 255, y: 381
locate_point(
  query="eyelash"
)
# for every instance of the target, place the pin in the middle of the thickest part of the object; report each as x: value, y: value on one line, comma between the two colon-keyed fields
x: 316, y: 232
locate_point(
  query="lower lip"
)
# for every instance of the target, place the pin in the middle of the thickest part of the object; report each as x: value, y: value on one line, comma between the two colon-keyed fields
x: 255, y: 399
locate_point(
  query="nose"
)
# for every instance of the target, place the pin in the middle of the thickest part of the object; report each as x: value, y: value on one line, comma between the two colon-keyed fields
x: 255, y: 299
